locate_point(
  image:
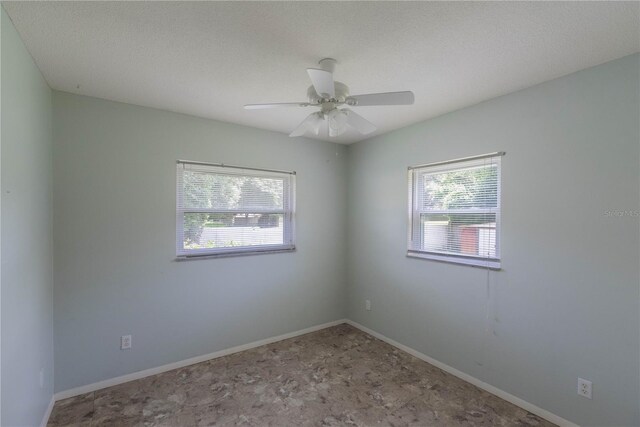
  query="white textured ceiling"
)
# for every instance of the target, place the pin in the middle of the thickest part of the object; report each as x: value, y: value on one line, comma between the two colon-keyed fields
x: 209, y: 59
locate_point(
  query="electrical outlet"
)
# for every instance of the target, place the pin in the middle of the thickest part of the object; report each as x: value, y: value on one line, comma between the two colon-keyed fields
x: 125, y: 342
x: 367, y: 305
x: 584, y: 388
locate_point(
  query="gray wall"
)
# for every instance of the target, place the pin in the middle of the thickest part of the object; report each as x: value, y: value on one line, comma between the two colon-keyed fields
x: 27, y: 261
x: 565, y: 304
x: 114, y: 225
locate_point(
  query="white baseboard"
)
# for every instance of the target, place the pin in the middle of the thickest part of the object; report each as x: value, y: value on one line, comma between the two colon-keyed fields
x: 182, y: 363
x: 47, y: 414
x: 543, y: 413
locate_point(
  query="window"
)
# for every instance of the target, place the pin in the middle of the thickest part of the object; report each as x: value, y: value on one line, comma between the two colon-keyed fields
x: 454, y: 211
x: 224, y: 210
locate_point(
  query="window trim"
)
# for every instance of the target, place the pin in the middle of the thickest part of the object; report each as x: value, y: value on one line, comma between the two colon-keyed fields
x: 204, y: 253
x: 414, y: 214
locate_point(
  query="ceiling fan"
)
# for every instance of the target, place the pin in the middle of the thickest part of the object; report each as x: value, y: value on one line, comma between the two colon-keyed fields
x: 329, y: 95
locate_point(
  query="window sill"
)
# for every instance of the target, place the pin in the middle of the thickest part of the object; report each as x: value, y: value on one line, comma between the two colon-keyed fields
x: 472, y: 262
x: 196, y: 257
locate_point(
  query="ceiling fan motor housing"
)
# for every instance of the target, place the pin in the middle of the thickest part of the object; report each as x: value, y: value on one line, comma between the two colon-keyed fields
x: 341, y: 95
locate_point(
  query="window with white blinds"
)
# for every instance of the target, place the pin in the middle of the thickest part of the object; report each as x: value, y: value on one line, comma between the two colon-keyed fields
x: 454, y: 211
x: 226, y: 210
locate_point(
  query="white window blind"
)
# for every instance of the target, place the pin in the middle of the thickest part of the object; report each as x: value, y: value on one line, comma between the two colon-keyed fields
x: 224, y: 210
x: 454, y: 211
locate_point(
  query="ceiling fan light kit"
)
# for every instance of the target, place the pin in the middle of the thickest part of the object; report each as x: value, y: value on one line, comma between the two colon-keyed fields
x: 329, y: 95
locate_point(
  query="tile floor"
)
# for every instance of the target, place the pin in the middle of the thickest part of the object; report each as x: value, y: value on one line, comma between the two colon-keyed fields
x: 338, y: 376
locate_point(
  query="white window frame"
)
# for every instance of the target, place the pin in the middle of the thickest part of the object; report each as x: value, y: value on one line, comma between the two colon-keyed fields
x: 414, y: 229
x: 288, y: 212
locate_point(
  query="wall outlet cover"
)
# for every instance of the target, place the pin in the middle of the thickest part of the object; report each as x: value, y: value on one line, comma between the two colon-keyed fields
x: 584, y: 388
x: 125, y: 342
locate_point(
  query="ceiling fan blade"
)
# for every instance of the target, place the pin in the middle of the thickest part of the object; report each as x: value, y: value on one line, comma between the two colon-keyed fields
x: 281, y: 104
x: 311, y: 122
x: 359, y: 123
x: 322, y: 82
x: 388, y: 98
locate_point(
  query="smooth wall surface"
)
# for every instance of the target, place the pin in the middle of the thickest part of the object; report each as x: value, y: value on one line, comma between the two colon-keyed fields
x: 566, y: 304
x: 27, y: 258
x: 114, y: 224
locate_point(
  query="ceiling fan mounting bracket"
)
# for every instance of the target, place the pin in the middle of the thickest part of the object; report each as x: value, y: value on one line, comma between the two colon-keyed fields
x: 328, y: 64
